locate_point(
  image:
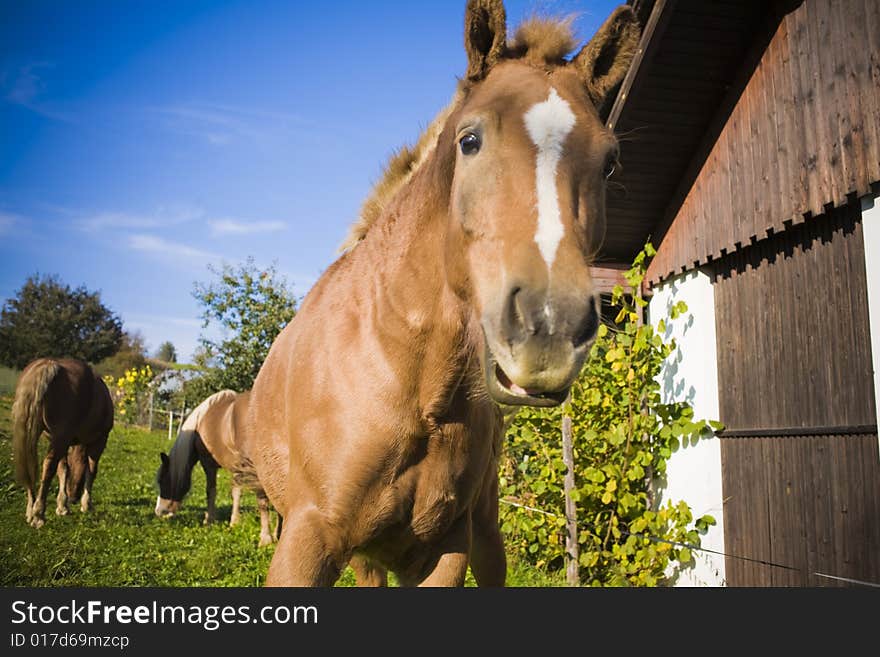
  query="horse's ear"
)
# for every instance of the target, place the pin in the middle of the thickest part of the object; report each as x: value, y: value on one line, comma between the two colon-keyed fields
x: 604, y: 61
x: 164, y: 457
x: 485, y: 36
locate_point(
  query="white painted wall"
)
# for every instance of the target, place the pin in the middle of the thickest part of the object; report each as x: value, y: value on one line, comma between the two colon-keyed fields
x: 871, y: 232
x: 691, y: 374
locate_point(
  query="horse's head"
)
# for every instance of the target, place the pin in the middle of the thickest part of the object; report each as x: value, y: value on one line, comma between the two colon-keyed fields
x: 527, y: 206
x: 165, y: 505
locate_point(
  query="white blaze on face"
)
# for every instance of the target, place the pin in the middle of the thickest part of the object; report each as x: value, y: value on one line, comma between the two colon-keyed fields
x: 548, y: 124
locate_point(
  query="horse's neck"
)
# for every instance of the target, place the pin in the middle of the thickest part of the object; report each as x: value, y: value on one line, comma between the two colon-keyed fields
x: 412, y: 302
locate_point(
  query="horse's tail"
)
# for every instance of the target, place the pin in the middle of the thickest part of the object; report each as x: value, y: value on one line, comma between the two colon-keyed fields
x: 27, y: 419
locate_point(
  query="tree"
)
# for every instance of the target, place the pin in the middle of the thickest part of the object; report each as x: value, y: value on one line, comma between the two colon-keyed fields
x: 166, y: 352
x: 48, y: 318
x: 251, y: 306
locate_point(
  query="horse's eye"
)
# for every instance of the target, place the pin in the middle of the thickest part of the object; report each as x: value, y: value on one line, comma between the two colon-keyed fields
x: 609, y: 168
x: 470, y: 144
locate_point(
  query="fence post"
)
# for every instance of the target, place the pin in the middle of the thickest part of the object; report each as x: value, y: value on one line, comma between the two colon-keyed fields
x: 150, y: 417
x: 170, y: 423
x: 572, y: 574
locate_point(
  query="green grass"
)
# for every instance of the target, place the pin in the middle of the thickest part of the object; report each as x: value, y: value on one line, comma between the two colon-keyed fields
x: 121, y: 542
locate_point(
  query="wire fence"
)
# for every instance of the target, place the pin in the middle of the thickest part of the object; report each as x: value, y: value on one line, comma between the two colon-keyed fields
x: 697, y: 548
x: 154, y: 414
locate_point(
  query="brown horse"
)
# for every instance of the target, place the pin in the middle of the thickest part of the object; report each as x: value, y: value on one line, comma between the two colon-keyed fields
x: 65, y: 398
x: 213, y: 435
x: 376, y: 416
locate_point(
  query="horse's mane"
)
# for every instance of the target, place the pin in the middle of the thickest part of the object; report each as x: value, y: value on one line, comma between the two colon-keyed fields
x: 192, y: 420
x: 540, y: 41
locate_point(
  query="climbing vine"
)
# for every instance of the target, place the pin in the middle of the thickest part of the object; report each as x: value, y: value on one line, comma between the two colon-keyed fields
x: 623, y: 435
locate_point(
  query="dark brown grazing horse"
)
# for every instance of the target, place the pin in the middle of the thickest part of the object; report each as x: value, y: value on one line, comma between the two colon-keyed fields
x: 375, y: 419
x: 67, y: 400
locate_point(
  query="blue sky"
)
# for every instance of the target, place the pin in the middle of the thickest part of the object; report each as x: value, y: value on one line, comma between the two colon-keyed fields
x: 141, y: 141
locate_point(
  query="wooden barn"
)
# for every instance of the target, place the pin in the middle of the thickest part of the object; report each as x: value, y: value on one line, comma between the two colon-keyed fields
x: 750, y: 140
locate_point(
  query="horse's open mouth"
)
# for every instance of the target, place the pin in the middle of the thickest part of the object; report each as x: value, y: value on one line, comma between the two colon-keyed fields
x: 505, y: 391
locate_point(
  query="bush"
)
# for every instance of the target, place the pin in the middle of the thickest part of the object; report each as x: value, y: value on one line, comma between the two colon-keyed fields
x: 131, y: 393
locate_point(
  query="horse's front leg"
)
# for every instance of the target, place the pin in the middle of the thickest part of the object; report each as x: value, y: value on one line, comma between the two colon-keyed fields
x: 61, y: 508
x: 452, y: 556
x: 31, y: 499
x: 93, y: 455
x: 236, y: 506
x: 210, y: 492
x: 309, y: 552
x: 50, y: 464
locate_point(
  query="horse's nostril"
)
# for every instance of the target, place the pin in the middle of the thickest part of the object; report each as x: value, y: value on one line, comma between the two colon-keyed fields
x: 514, y: 317
x: 588, y: 327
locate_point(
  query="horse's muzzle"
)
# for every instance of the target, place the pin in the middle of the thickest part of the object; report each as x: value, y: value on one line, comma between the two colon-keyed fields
x: 536, y: 344
x: 166, y: 508
x: 504, y: 391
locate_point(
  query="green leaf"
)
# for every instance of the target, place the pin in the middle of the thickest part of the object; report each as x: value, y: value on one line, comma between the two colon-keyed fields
x: 618, y: 435
x: 595, y: 475
x: 704, y: 522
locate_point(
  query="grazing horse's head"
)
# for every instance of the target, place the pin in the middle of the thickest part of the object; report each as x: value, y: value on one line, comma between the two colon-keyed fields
x: 527, y: 199
x: 168, y: 501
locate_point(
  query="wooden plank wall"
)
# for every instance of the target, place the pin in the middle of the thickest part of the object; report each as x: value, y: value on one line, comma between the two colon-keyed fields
x: 793, y: 334
x: 794, y: 361
x: 811, y: 503
x: 804, y: 135
x: 695, y: 49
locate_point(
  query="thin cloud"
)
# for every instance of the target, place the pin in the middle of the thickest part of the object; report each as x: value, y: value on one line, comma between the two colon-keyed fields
x: 139, y: 320
x: 20, y: 229
x: 127, y: 220
x: 26, y: 85
x: 221, y: 124
x: 26, y: 88
x: 152, y: 244
x: 220, y: 227
x: 7, y: 222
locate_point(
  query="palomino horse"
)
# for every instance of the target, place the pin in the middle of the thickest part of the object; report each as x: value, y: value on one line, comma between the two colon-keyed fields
x: 213, y: 435
x: 375, y: 417
x: 64, y: 397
